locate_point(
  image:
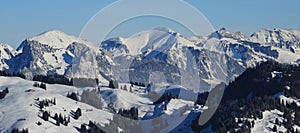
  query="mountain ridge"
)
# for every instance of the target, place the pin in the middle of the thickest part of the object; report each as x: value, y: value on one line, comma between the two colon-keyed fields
x: 48, y: 53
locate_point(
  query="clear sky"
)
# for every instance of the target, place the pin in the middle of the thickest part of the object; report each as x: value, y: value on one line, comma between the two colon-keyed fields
x: 20, y: 19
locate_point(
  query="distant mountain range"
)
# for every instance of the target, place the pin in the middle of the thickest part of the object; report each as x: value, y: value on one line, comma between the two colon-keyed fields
x: 218, y: 57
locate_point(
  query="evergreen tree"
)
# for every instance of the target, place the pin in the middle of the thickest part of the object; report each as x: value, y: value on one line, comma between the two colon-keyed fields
x: 6, y: 90
x: 54, y: 101
x: 277, y: 121
x: 77, y: 113
x: 15, y: 130
x: 25, y: 130
x: 274, y: 129
x: 43, y: 86
x: 83, y: 128
x: 41, y: 104
x: 113, y: 84
x: 73, y: 96
x: 61, y: 119
x: 252, y: 124
x: 45, y: 116
x: 57, y: 121
x: 36, y: 84
x: 56, y: 118
x: 65, y: 121
x: 39, y: 123
x: 125, y: 87
x: 3, y: 93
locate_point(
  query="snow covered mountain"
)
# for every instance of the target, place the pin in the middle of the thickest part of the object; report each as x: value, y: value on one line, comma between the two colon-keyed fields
x: 6, y: 53
x: 54, y: 53
x: 174, y: 67
x: 172, y: 52
x: 20, y: 109
x: 285, y: 39
x: 220, y: 56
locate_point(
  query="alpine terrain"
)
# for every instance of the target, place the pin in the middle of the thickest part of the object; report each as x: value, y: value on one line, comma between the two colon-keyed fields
x: 154, y: 81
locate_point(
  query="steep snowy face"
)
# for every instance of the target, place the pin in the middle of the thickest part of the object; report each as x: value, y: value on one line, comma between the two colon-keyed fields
x: 115, y: 46
x: 88, y: 62
x: 36, y: 58
x: 285, y: 39
x: 6, y: 53
x: 51, y: 53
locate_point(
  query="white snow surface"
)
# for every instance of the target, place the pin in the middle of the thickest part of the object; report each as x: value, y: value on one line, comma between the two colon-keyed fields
x: 19, y: 110
x: 159, y: 39
x: 57, y: 39
x: 266, y: 124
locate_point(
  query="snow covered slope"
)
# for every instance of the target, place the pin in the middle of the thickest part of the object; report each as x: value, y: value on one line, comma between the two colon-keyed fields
x: 266, y: 124
x: 21, y: 103
x: 19, y: 108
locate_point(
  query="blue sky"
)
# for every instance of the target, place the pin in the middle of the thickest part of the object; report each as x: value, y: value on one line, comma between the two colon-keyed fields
x: 20, y: 19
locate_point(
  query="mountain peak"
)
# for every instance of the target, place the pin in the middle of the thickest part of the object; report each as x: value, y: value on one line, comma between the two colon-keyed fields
x: 224, y: 33
x: 219, y: 33
x: 5, y: 45
x: 52, y: 32
x: 282, y: 38
x: 222, y: 29
x: 164, y: 29
x: 54, y: 38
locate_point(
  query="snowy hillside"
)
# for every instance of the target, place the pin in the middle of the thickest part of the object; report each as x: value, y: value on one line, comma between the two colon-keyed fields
x: 22, y: 102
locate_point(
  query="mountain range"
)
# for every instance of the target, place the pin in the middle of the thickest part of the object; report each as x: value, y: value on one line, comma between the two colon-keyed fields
x: 158, y: 77
x: 218, y: 57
